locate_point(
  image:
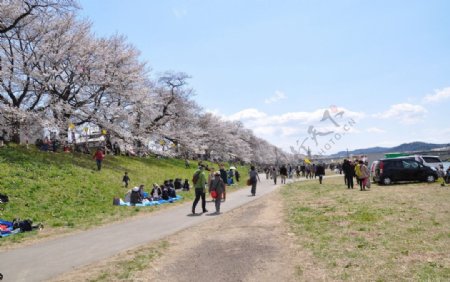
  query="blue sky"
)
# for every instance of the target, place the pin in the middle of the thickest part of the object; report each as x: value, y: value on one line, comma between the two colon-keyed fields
x: 279, y: 66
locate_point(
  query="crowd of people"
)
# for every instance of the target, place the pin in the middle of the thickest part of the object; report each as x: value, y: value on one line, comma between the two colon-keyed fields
x: 307, y: 170
x: 359, y: 170
x: 164, y: 191
x: 208, y: 179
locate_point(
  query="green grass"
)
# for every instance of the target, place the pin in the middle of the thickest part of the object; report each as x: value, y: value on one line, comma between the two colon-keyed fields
x: 391, y: 233
x: 137, y: 260
x: 66, y: 191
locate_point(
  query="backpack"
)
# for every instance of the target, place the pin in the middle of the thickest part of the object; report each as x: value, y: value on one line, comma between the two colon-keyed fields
x: 4, y: 198
x: 358, y: 170
x: 23, y: 225
x: 196, y: 177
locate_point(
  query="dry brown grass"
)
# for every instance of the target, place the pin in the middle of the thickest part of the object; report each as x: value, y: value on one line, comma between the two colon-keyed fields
x: 391, y: 233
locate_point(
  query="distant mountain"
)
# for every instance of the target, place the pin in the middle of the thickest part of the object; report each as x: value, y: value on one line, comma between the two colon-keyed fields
x: 406, y: 147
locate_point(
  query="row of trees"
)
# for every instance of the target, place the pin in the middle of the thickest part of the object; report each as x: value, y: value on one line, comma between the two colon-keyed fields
x: 55, y: 72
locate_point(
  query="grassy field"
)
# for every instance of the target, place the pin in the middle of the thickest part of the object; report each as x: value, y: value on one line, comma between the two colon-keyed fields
x: 391, y: 233
x: 65, y: 192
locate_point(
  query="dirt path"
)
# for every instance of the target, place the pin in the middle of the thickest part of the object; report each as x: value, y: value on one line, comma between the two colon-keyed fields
x: 250, y: 243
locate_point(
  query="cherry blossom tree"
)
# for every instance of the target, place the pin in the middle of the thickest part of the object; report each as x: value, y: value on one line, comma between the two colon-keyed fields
x: 18, y: 13
x: 55, y: 72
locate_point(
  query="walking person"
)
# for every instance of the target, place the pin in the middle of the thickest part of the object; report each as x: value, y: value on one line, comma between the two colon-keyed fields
x: 218, y: 187
x: 125, y: 180
x: 349, y: 171
x: 237, y: 175
x: 441, y: 175
x: 99, y: 156
x: 273, y: 174
x: 363, y: 175
x: 199, y: 180
x: 267, y: 171
x: 320, y: 171
x: 210, y: 179
x: 308, y: 171
x: 254, y: 177
x: 283, y: 174
x: 224, y: 176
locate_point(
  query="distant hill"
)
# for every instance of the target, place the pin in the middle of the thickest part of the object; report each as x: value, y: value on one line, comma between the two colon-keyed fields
x: 406, y: 147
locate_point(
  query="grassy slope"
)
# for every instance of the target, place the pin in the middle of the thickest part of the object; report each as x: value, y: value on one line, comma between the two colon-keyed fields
x: 66, y: 190
x: 392, y: 233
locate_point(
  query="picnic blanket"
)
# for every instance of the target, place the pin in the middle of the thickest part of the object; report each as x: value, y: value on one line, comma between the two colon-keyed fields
x: 7, y: 229
x: 148, y: 203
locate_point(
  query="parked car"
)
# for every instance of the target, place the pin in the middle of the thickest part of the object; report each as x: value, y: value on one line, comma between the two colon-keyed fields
x: 387, y: 171
x: 431, y: 161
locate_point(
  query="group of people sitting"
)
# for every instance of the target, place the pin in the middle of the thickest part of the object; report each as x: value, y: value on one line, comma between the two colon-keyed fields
x: 165, y: 191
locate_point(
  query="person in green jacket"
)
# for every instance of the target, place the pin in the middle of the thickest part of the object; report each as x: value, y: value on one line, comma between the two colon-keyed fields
x: 199, y: 185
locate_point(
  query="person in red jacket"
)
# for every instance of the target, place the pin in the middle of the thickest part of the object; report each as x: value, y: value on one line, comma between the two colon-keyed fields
x: 98, y: 157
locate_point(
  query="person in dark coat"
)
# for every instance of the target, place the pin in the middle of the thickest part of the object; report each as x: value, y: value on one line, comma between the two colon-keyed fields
x: 320, y: 171
x: 349, y: 171
x: 186, y: 185
x: 125, y: 179
x: 237, y: 175
x: 224, y: 176
x: 283, y: 174
x: 254, y: 177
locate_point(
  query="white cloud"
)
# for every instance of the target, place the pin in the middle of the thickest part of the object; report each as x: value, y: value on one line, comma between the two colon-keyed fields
x: 264, y: 130
x: 287, y: 131
x: 275, y: 98
x: 296, y: 119
x: 405, y: 113
x: 215, y: 112
x: 247, y: 114
x: 375, y: 130
x: 179, y: 13
x: 438, y: 96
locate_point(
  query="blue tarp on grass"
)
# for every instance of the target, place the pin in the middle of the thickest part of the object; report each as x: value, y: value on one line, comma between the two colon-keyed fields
x: 147, y: 203
x: 9, y: 228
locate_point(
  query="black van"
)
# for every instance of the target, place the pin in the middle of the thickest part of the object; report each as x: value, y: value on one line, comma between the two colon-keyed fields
x: 387, y: 171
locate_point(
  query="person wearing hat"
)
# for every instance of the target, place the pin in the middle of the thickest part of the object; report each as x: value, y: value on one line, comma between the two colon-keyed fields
x: 136, y: 196
x: 217, y: 186
x: 199, y: 185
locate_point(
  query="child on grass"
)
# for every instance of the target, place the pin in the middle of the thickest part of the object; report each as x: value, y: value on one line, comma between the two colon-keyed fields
x: 125, y: 180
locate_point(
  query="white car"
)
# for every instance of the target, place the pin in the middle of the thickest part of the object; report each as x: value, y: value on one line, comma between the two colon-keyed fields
x: 431, y: 161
